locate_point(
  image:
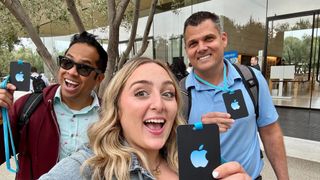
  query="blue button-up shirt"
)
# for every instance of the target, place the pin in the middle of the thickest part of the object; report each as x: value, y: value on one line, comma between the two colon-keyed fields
x: 73, y: 124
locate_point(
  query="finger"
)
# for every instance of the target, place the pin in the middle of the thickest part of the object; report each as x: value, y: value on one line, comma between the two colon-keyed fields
x: 217, y: 120
x: 228, y: 169
x: 217, y: 115
x: 11, y: 87
x: 238, y: 176
x: 223, y: 128
x: 6, y: 98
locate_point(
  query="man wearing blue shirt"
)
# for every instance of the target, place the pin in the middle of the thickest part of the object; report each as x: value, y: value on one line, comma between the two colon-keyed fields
x: 204, y: 44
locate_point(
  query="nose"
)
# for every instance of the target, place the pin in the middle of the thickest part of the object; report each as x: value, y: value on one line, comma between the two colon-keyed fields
x: 157, y: 103
x: 73, y: 70
x: 202, y: 46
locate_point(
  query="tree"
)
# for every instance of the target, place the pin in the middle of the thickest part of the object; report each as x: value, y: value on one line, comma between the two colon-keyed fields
x: 37, y: 10
x: 115, y: 11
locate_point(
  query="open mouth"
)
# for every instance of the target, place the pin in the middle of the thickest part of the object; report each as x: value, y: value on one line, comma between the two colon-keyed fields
x: 154, y: 124
x: 71, y: 84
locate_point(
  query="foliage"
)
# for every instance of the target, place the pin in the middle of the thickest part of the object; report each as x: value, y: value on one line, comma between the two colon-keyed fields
x: 24, y: 54
x: 5, y: 59
x: 9, y: 29
x: 44, y: 11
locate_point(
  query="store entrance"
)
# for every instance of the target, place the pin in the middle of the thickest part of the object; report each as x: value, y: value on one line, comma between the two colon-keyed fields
x: 292, y: 69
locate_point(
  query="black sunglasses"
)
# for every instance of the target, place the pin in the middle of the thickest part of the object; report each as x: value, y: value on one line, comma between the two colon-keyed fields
x: 82, y: 69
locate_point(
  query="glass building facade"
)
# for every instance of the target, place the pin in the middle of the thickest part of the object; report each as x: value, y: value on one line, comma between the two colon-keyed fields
x: 283, y: 34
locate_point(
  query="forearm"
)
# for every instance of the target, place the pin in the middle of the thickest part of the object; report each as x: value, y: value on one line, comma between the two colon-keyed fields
x: 272, y: 139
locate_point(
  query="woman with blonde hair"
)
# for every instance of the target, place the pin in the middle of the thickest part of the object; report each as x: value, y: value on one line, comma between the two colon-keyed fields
x: 135, y: 137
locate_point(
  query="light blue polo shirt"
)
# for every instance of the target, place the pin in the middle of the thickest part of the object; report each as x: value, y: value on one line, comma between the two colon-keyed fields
x: 241, y: 142
x: 73, y: 124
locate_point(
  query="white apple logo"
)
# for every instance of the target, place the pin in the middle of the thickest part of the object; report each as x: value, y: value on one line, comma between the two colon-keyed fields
x: 198, y: 157
x: 19, y: 77
x: 235, y: 105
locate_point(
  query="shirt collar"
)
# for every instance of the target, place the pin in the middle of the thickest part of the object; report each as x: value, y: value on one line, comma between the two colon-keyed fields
x: 136, y: 166
x: 95, y: 103
x: 232, y: 76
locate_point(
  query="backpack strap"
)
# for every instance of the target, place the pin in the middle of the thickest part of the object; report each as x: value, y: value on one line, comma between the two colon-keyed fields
x: 251, y: 83
x: 28, y: 108
x: 186, y: 98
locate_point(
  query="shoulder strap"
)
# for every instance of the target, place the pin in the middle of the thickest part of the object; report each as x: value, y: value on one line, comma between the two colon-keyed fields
x: 28, y: 108
x: 186, y: 98
x: 251, y: 83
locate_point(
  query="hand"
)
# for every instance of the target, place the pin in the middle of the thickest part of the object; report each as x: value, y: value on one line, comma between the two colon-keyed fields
x: 6, y: 96
x: 230, y: 171
x: 223, y: 120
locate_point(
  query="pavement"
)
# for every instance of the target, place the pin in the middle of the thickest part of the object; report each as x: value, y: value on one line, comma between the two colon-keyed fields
x: 303, y: 161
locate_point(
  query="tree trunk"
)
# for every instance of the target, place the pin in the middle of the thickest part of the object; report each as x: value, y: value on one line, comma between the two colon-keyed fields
x: 132, y: 37
x: 75, y: 15
x: 17, y: 10
x: 114, y: 20
x: 147, y: 29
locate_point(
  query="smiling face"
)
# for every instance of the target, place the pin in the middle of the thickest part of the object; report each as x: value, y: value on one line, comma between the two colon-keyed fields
x: 204, y: 45
x: 75, y: 87
x: 148, y: 107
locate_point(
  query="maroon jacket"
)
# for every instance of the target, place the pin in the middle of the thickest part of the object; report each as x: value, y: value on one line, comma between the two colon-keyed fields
x: 38, y: 142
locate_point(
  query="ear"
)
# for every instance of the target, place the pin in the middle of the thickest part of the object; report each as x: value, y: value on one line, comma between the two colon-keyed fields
x: 100, y: 77
x: 224, y: 38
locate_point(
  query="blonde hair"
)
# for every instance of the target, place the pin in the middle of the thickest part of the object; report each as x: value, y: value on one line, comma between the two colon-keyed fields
x: 112, y: 155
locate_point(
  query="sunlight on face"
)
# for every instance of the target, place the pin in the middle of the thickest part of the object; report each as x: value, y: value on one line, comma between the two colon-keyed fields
x: 148, y: 107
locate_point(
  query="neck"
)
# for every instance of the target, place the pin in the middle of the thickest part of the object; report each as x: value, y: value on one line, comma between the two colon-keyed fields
x: 214, y: 75
x: 77, y: 103
x: 154, y: 161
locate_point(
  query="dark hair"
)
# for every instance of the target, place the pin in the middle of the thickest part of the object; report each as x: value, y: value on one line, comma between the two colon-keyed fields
x: 34, y: 69
x: 178, y: 68
x: 90, y: 39
x: 198, y: 17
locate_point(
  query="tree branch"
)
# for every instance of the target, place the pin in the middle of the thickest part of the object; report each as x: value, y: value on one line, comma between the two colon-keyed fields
x: 147, y: 29
x: 75, y: 15
x: 132, y: 38
x: 120, y: 11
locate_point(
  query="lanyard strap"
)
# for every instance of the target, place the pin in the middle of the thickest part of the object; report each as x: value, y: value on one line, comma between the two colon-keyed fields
x: 225, y: 85
x: 7, y: 132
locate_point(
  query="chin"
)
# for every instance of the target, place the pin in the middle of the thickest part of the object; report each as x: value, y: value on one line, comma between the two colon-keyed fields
x: 156, y: 145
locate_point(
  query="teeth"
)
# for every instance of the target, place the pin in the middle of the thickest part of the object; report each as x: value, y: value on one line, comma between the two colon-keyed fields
x: 154, y: 121
x: 71, y: 82
x: 204, y: 57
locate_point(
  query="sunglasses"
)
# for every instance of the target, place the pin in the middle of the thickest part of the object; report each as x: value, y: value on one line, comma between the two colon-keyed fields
x: 82, y: 69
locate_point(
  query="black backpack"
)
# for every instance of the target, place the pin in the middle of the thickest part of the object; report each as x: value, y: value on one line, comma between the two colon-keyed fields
x: 38, y: 84
x: 29, y: 106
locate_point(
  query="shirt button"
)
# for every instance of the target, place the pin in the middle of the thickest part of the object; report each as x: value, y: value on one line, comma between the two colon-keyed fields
x: 72, y: 135
x: 74, y: 116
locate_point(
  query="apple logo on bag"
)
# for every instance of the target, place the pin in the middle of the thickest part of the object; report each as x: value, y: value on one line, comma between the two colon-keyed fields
x: 198, y: 157
x: 19, y: 77
x: 235, y: 105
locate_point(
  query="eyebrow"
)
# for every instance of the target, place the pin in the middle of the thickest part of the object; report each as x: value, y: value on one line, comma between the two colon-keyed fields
x: 150, y: 83
x: 86, y: 61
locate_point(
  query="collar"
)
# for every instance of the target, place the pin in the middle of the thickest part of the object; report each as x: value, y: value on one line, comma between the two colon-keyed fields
x: 95, y: 103
x: 232, y: 76
x: 136, y: 166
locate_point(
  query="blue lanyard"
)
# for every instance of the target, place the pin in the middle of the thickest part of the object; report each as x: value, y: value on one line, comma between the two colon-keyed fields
x: 225, y: 85
x: 6, y: 130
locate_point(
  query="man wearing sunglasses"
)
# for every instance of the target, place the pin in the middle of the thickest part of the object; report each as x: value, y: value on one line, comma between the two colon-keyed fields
x: 59, y: 124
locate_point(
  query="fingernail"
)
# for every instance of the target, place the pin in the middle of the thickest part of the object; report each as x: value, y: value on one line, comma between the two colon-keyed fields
x: 215, y: 174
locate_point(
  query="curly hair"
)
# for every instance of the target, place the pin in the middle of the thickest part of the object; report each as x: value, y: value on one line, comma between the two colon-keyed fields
x: 112, y: 154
